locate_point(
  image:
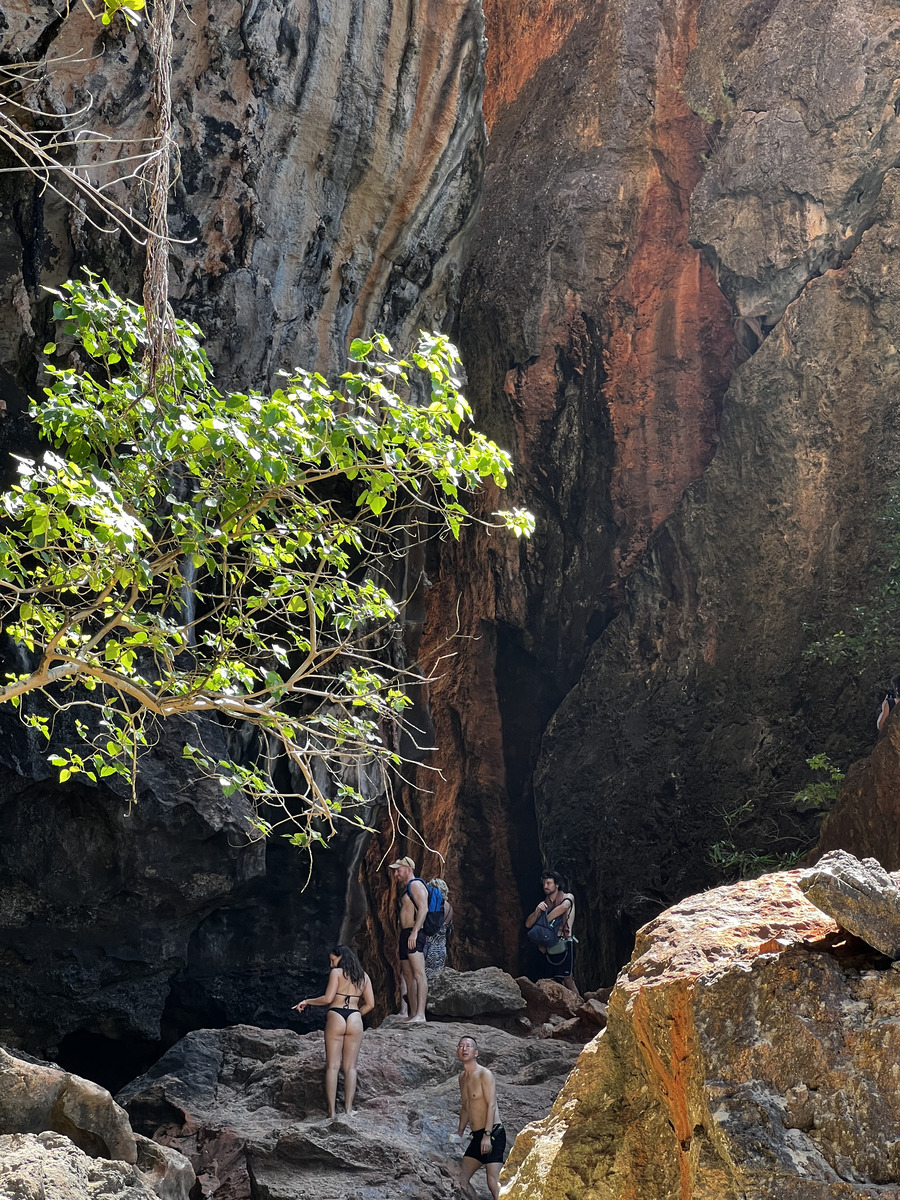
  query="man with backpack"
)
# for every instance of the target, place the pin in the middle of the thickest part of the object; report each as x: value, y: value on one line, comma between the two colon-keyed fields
x: 550, y: 929
x: 420, y: 914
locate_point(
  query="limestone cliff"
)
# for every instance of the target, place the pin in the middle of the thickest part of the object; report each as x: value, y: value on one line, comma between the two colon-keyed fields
x: 330, y: 161
x: 680, y: 307
x: 751, y: 1052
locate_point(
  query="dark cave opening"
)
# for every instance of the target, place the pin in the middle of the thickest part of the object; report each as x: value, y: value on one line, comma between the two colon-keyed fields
x: 111, y: 1062
x: 527, y: 699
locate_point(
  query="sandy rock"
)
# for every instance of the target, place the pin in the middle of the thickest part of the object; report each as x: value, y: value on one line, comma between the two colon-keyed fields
x: 474, y: 993
x: 48, y: 1166
x: 247, y: 1108
x: 745, y: 1059
x: 37, y: 1097
x: 860, y: 895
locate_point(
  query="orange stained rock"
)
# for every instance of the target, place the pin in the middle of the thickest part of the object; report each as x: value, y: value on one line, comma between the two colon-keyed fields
x: 669, y: 1067
x: 521, y: 35
x: 669, y: 354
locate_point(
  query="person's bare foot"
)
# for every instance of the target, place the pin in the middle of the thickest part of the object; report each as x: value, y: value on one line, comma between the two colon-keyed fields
x: 416, y: 1021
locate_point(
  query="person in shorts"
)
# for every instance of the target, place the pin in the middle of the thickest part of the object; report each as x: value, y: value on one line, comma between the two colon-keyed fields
x: 557, y: 903
x: 411, y: 941
x: 479, y: 1110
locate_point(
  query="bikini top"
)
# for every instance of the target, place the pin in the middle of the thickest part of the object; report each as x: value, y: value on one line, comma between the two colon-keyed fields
x: 347, y: 997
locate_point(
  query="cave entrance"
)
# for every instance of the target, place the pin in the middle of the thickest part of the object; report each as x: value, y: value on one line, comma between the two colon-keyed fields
x: 111, y: 1062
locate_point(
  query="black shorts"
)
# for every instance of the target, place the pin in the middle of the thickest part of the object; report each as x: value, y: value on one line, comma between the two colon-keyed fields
x: 561, y: 966
x: 498, y: 1145
x: 404, y: 943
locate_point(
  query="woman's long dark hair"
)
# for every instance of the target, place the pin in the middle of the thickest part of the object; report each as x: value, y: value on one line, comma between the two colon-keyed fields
x: 350, y: 965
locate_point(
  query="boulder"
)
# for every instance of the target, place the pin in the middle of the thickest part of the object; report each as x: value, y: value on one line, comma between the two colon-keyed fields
x: 37, y: 1097
x: 247, y: 1107
x: 594, y: 1012
x: 546, y: 997
x: 487, y: 991
x: 750, y: 1054
x: 860, y: 895
x: 51, y: 1120
x: 48, y: 1166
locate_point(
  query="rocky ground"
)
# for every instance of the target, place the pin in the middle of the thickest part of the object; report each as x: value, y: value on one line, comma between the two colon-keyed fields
x: 246, y: 1106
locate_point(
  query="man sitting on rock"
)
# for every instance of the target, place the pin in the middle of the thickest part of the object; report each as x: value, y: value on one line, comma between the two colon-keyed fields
x: 413, y: 911
x: 478, y: 1109
x: 556, y: 904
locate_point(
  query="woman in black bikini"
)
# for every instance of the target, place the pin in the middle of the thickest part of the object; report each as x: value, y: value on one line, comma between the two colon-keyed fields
x: 348, y: 998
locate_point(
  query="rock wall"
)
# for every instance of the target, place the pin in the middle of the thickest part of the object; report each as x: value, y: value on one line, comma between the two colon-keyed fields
x: 700, y: 699
x: 750, y: 1053
x: 679, y: 307
x: 330, y: 163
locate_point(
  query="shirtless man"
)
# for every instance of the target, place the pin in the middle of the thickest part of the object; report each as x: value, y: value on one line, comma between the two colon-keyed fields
x: 558, y: 903
x: 413, y: 911
x: 478, y: 1109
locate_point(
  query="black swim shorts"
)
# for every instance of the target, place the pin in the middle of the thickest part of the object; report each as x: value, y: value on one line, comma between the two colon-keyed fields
x: 498, y: 1145
x: 404, y: 943
x: 561, y: 966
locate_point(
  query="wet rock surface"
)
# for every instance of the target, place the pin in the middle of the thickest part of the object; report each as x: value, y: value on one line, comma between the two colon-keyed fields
x: 751, y: 1052
x: 859, y: 895
x: 247, y: 1107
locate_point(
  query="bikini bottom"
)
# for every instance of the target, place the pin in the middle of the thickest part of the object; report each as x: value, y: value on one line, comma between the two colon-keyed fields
x: 346, y: 1013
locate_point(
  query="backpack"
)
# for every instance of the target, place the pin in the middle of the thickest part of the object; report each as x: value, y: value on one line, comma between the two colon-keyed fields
x: 545, y: 932
x: 434, y: 918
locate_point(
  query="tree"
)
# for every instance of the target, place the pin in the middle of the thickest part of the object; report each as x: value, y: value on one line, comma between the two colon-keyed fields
x: 180, y: 552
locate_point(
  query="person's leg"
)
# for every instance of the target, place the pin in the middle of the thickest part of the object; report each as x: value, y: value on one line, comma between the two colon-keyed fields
x: 352, y: 1041
x: 492, y: 1170
x: 404, y: 1002
x: 469, y: 1167
x: 406, y: 969
x: 334, y: 1042
x: 418, y: 992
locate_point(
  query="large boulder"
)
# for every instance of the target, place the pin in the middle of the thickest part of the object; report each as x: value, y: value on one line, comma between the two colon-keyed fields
x: 38, y: 1097
x: 247, y: 1107
x: 861, y: 897
x: 51, y: 1120
x: 486, y: 992
x: 750, y: 1055
x: 47, y: 1166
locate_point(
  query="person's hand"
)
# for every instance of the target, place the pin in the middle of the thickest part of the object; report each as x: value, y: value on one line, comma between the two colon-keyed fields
x: 411, y: 944
x: 542, y: 907
x: 456, y: 1137
x: 301, y: 1006
x: 486, y: 1138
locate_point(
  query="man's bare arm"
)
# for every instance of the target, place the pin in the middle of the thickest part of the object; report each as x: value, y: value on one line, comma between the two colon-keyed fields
x: 489, y: 1091
x: 419, y: 895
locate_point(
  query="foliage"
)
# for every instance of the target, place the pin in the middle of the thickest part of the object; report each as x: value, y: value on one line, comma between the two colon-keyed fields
x: 130, y: 9
x: 872, y: 630
x: 822, y: 792
x: 780, y: 852
x: 227, y: 557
